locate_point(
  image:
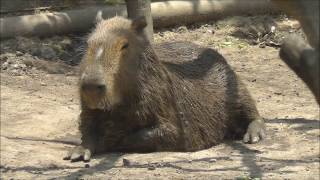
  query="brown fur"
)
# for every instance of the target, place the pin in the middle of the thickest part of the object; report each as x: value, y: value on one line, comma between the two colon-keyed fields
x: 301, y: 57
x: 175, y: 104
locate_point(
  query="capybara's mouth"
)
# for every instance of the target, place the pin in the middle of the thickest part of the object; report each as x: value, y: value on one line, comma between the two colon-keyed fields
x: 99, y: 103
x: 99, y: 106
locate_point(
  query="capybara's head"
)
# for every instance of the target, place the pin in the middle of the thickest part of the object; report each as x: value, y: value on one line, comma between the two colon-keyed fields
x: 111, y: 62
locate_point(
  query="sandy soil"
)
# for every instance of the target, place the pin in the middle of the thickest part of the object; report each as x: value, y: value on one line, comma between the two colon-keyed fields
x: 39, y: 109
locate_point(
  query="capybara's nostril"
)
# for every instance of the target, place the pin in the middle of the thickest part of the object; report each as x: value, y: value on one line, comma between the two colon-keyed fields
x: 101, y: 87
x: 94, y: 88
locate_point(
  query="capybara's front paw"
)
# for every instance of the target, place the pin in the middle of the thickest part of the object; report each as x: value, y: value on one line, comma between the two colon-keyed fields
x: 256, y: 132
x: 78, y: 153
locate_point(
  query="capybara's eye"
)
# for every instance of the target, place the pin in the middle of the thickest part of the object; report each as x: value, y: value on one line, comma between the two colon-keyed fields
x: 125, y: 46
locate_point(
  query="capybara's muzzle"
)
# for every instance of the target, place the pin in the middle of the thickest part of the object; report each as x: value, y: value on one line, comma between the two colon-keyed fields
x: 93, y: 88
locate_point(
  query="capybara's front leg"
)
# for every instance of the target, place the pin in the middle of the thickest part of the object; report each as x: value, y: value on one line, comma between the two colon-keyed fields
x: 256, y: 131
x: 151, y: 139
x: 89, y: 139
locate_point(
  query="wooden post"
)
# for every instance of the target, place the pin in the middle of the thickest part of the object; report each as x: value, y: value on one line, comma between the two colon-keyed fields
x: 139, y: 8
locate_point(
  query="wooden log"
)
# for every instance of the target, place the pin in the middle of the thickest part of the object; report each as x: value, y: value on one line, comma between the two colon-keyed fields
x: 164, y: 14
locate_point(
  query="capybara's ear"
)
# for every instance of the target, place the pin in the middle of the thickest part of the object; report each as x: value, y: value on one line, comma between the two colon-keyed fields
x: 138, y: 24
x: 99, y: 17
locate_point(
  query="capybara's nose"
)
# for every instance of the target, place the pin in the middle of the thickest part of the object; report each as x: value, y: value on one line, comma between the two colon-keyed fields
x: 94, y: 88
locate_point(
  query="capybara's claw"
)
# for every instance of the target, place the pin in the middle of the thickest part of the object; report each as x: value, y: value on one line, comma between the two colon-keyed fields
x: 78, y: 153
x: 255, y: 132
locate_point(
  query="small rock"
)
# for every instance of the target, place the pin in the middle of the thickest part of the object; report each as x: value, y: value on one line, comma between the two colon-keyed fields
x: 87, y: 165
x: 47, y: 52
x: 262, y: 45
x: 9, y: 61
x: 126, y: 162
x: 212, y: 160
x: 14, y: 72
x: 182, y: 29
x: 66, y: 43
x: 69, y: 74
x: 205, y: 25
x: 5, y: 65
x: 277, y: 93
x: 210, y: 31
x: 16, y: 66
x: 161, y: 34
x: 43, y: 84
x: 19, y: 53
x: 151, y: 167
x: 23, y: 66
x: 3, y: 58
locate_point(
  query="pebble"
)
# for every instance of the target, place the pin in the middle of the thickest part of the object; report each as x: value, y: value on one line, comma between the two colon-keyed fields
x: 182, y: 29
x: 16, y: 66
x: 210, y: 31
x: 126, y: 162
x: 161, y: 34
x: 3, y: 58
x: 47, y: 52
x: 14, y: 71
x: 19, y: 53
x: 5, y: 65
x: 151, y: 168
x: 277, y: 93
x: 262, y: 45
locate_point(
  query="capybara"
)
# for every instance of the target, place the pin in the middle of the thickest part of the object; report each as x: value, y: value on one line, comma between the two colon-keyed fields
x: 300, y: 56
x: 132, y: 101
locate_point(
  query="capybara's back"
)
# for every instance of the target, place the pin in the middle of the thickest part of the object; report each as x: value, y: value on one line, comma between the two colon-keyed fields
x: 212, y: 102
x: 171, y: 97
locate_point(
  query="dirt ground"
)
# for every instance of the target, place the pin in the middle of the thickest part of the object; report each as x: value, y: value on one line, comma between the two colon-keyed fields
x: 39, y: 110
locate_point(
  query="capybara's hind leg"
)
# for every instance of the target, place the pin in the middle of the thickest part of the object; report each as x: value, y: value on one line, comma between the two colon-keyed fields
x: 150, y: 139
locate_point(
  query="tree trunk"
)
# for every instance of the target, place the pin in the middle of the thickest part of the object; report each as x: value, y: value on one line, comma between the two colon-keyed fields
x: 139, y: 8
